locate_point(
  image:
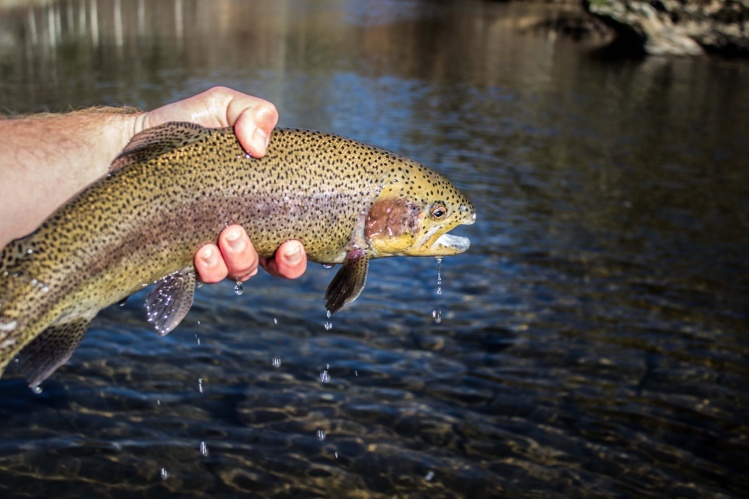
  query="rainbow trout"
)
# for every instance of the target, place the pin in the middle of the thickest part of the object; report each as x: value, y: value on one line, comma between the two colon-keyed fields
x: 177, y: 186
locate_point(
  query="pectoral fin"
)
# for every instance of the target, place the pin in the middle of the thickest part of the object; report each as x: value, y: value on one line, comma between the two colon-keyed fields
x: 51, y: 349
x: 347, y: 284
x: 168, y: 303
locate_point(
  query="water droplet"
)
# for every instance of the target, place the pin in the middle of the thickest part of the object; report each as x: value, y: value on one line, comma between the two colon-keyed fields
x: 29, y: 251
x: 203, y: 449
x: 325, y: 377
x: 200, y: 385
x: 238, y: 288
x: 198, y: 284
x: 327, y: 265
x: 197, y: 338
x: 356, y: 373
x: 439, y: 274
x: 327, y: 312
x: 37, y: 389
x: 164, y: 473
x: 437, y: 315
x: 158, y: 402
x: 276, y: 361
x: 429, y: 476
x: 247, y: 155
x: 320, y: 435
x: 275, y: 321
x: 336, y: 455
x: 328, y: 326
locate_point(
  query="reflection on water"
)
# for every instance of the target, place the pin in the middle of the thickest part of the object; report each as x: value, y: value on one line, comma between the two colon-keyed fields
x: 593, y: 341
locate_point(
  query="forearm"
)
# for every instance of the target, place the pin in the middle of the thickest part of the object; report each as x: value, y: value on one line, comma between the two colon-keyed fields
x: 46, y: 159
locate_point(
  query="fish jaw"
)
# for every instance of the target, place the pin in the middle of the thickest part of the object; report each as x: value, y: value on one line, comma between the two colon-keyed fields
x: 438, y: 242
x: 448, y: 244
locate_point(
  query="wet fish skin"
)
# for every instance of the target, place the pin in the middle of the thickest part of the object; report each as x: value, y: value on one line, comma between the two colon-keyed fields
x: 177, y: 186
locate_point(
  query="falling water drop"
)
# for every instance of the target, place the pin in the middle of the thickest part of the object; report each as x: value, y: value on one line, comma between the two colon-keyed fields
x: 197, y: 338
x: 203, y: 449
x: 327, y: 265
x: 437, y: 315
x: 200, y: 385
x: 37, y: 389
x: 275, y: 321
x: 439, y: 274
x: 276, y: 361
x: 325, y: 377
x: 328, y: 326
x: 321, y: 435
x: 238, y: 288
x: 164, y: 473
x: 429, y: 476
x: 199, y: 284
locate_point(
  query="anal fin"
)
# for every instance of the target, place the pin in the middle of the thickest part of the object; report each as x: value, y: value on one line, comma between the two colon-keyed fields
x: 51, y: 349
x: 347, y: 284
x: 171, y: 299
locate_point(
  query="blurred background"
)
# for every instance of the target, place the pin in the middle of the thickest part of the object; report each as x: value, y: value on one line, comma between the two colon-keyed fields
x: 591, y: 343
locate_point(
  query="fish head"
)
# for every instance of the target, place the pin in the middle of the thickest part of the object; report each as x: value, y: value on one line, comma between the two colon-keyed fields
x: 414, y: 212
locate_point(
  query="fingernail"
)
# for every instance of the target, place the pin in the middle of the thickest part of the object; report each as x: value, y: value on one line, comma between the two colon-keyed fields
x: 260, y: 139
x: 234, y: 238
x: 208, y: 256
x: 293, y: 255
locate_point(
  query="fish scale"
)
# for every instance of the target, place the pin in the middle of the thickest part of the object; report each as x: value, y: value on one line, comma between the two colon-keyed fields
x: 174, y: 188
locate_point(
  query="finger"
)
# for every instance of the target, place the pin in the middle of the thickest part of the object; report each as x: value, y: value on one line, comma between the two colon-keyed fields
x: 254, y: 124
x: 290, y: 261
x: 253, y: 118
x: 238, y: 253
x: 209, y: 264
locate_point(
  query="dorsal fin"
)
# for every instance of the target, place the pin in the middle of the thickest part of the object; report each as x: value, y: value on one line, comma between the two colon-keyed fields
x: 158, y: 140
x: 14, y: 251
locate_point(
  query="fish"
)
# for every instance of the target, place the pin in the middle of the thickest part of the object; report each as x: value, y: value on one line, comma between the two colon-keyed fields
x: 175, y: 187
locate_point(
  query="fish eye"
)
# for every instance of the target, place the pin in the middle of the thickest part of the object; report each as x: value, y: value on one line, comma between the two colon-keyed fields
x: 438, y: 211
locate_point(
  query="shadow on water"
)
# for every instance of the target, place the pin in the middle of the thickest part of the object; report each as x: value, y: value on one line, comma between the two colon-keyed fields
x: 593, y: 339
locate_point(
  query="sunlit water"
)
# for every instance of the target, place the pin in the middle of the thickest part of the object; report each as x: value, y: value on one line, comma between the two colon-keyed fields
x: 592, y: 342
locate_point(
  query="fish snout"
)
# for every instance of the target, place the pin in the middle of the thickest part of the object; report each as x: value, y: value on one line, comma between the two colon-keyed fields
x: 467, y: 214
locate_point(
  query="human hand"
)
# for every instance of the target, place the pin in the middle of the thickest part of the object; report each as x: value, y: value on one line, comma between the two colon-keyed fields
x: 253, y: 120
x: 236, y: 258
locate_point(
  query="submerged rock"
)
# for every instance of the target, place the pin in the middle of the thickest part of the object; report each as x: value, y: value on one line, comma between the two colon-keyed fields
x: 677, y: 27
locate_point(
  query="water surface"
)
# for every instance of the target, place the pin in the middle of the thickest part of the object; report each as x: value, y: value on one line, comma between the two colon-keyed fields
x: 593, y: 340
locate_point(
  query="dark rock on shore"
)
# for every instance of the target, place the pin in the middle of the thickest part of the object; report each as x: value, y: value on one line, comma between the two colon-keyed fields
x: 677, y: 27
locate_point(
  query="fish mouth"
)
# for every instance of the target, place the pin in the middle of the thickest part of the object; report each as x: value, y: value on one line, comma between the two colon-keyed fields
x: 447, y: 244
x: 457, y: 244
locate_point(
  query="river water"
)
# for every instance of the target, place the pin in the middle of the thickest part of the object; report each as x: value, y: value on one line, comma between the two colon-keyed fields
x: 593, y: 341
